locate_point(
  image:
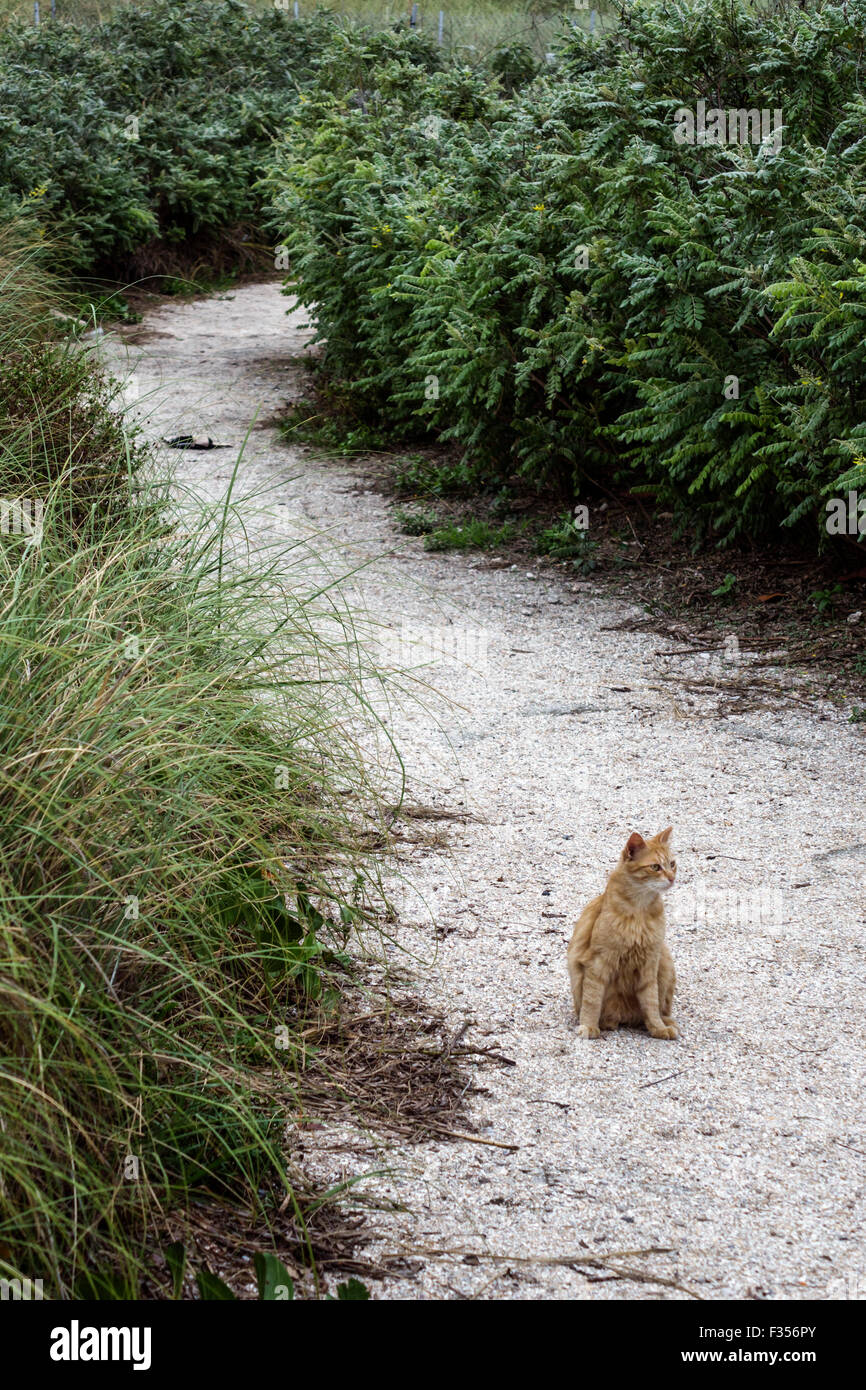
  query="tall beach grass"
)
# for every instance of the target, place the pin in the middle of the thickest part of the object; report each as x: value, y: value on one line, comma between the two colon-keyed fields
x: 183, y: 845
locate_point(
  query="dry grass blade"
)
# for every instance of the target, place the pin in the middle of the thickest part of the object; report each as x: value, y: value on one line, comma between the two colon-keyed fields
x: 394, y: 1071
x: 589, y: 1260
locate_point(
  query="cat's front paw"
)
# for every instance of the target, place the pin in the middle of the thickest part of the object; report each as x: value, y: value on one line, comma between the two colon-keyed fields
x: 586, y: 1030
x: 668, y: 1030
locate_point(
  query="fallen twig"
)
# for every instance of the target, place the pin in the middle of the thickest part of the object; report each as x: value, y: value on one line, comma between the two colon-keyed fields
x: 848, y: 1146
x: 473, y: 1138
x: 592, y: 1260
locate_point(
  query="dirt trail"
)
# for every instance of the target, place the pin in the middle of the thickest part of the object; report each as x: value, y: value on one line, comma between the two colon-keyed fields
x: 729, y: 1162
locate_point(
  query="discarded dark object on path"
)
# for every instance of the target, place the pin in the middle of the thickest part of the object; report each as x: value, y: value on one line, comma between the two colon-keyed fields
x: 193, y: 441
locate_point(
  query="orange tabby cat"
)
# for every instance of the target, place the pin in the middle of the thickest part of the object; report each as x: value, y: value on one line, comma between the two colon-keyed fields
x: 620, y: 969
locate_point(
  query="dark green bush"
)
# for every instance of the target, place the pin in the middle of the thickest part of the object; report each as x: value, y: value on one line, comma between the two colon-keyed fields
x: 514, y: 64
x: 150, y: 127
x: 554, y: 282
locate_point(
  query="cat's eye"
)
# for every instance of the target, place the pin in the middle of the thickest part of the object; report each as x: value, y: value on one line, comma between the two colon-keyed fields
x: 656, y: 866
x: 673, y: 863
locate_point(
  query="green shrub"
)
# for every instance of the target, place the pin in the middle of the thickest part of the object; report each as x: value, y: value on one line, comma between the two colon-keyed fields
x: 473, y: 534
x: 565, y: 541
x: 513, y: 64
x: 414, y: 522
x: 555, y: 283
x: 415, y: 474
x: 149, y: 127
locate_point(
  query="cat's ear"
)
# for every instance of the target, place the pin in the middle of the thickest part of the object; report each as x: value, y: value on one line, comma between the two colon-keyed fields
x: 635, y: 842
x: 664, y: 835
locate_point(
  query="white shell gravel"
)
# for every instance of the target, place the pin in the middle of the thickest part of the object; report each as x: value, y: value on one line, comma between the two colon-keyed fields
x: 730, y: 1162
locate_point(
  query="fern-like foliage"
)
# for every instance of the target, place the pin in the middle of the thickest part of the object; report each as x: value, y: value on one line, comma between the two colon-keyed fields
x: 549, y: 277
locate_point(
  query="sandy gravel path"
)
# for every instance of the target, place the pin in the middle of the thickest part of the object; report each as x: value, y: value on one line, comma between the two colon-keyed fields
x: 730, y: 1162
